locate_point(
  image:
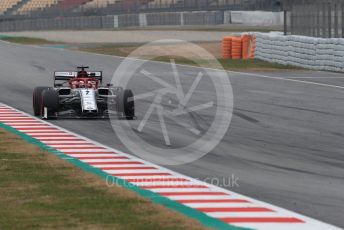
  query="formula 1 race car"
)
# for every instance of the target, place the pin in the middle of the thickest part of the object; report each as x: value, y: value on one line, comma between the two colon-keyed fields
x: 79, y: 94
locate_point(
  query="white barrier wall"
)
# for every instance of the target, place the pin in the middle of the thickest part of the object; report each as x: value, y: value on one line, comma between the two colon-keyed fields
x: 257, y: 18
x: 306, y: 52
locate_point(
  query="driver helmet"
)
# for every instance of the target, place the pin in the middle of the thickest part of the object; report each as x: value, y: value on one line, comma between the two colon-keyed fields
x: 82, y: 74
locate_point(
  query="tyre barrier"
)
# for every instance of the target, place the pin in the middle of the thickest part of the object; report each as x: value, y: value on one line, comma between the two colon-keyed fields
x: 248, y: 46
x: 227, y: 47
x: 236, y: 48
x: 242, y: 47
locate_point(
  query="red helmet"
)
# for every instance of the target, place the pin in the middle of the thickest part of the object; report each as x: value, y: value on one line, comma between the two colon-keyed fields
x: 82, y: 74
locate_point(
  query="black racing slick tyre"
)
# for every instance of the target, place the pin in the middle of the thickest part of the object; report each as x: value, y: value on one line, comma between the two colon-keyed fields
x: 50, y: 100
x: 37, y: 99
x: 126, y: 104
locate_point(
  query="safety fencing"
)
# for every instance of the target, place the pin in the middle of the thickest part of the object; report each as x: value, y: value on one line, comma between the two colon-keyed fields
x: 235, y: 47
x: 101, y: 8
x: 146, y: 19
x: 58, y: 23
x: 301, y: 51
x: 316, y: 18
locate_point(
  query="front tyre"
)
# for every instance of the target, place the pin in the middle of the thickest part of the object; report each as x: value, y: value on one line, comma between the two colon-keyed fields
x: 50, y: 101
x: 37, y: 99
x: 126, y: 104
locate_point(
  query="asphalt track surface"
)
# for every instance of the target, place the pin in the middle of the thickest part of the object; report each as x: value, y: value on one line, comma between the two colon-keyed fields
x: 285, y: 141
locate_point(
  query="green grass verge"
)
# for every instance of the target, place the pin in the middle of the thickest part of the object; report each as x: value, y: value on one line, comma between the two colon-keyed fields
x: 27, y: 40
x: 40, y: 191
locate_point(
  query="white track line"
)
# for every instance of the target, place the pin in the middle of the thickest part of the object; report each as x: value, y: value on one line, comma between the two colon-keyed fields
x: 288, y: 79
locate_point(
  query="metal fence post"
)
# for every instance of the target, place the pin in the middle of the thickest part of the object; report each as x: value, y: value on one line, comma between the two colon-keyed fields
x: 329, y: 18
x: 324, y: 21
x: 291, y: 22
x: 342, y: 20
x: 318, y: 26
x: 335, y: 7
x: 285, y: 15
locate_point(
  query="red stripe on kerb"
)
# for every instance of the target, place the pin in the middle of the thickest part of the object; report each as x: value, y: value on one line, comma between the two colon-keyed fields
x: 45, y: 128
x: 77, y: 143
x: 29, y: 132
x: 261, y: 220
x: 158, y: 179
x: 191, y: 193
x: 214, y: 201
x: 13, y: 116
x: 9, y: 114
x: 141, y: 174
x: 126, y: 168
x: 173, y: 186
x: 60, y: 139
x: 47, y: 134
x: 16, y: 122
x: 36, y: 125
x: 116, y: 163
x: 71, y: 147
x: 18, y: 118
x: 95, y: 152
x: 236, y: 209
x: 25, y: 123
x: 95, y: 158
x: 42, y: 135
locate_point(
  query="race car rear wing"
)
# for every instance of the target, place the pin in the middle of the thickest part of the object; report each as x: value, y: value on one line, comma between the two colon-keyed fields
x: 65, y: 76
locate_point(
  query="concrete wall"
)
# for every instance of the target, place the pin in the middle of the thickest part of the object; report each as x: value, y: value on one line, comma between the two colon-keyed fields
x: 306, y: 52
x: 258, y: 18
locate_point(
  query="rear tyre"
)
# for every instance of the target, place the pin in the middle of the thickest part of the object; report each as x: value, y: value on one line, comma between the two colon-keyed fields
x: 50, y: 100
x: 126, y: 104
x: 37, y: 99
